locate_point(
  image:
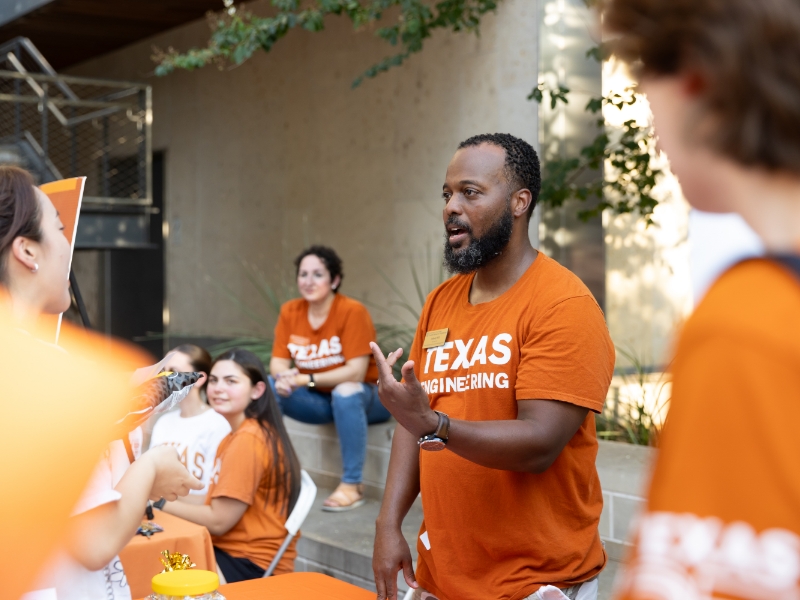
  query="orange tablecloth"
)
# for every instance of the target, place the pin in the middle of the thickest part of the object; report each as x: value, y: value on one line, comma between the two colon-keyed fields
x: 141, y: 557
x: 294, y: 586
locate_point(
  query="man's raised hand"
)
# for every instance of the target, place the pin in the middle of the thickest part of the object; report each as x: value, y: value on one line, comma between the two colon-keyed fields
x: 405, y: 399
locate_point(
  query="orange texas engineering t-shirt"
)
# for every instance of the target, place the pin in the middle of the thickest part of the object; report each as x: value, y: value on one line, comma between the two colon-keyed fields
x: 345, y: 334
x: 490, y: 533
x: 723, y: 513
x: 244, y: 460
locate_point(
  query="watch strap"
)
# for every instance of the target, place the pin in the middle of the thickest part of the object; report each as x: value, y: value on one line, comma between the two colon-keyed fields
x: 443, y: 428
x: 311, y: 382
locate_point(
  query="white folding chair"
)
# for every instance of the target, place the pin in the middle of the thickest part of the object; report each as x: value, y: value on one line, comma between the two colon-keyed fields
x: 308, y: 492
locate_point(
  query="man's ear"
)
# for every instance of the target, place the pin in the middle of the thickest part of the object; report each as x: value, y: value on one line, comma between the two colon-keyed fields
x: 521, y: 202
x: 23, y: 250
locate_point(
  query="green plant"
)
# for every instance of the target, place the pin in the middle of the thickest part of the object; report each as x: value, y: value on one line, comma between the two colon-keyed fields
x: 637, y: 418
x: 626, y: 152
x: 272, y: 301
x: 237, y: 34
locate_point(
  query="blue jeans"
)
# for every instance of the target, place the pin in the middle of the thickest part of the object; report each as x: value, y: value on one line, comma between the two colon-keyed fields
x: 351, y: 406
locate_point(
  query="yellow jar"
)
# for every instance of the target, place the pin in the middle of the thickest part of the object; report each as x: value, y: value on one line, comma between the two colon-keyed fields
x: 191, y: 584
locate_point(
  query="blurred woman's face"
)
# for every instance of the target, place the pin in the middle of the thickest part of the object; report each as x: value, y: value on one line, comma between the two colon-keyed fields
x: 229, y: 389
x: 314, y: 279
x: 52, y: 278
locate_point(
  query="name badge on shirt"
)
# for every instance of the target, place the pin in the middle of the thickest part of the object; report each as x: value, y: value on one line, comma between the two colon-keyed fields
x: 434, y: 338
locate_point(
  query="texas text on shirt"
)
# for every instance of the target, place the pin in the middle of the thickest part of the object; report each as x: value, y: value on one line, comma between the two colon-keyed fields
x: 345, y: 334
x: 491, y: 533
x: 195, y: 438
x: 712, y: 531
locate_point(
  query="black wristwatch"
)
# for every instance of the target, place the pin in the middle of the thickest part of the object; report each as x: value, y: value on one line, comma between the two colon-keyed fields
x: 311, y: 383
x: 160, y: 504
x: 438, y: 439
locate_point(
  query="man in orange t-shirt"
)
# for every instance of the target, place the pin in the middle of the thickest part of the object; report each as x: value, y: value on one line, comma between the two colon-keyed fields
x: 723, y: 513
x: 511, y: 360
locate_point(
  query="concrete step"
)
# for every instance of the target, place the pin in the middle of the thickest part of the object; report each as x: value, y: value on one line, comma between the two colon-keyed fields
x: 340, y: 544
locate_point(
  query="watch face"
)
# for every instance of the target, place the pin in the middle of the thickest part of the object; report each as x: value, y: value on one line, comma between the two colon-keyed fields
x: 432, y: 445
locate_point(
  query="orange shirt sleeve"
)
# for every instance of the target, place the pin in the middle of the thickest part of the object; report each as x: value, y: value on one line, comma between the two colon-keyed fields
x: 357, y: 332
x: 242, y: 468
x: 567, y: 355
x: 280, y: 341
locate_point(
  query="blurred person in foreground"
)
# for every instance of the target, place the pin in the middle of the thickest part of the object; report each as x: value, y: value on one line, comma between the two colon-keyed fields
x: 511, y: 360
x: 256, y: 479
x: 195, y: 429
x: 59, y: 409
x: 322, y: 369
x: 723, y: 514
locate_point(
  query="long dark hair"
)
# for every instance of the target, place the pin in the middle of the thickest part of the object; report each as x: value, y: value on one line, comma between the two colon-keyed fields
x: 20, y: 215
x: 284, y: 474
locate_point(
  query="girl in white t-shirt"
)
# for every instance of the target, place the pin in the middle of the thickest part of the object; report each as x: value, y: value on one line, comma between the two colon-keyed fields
x: 196, y: 430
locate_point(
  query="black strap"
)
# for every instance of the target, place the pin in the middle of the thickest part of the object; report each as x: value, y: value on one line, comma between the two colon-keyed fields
x: 128, y: 448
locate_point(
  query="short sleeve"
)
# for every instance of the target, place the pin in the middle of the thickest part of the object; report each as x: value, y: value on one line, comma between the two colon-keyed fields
x: 280, y: 342
x: 358, y: 332
x: 567, y: 355
x: 241, y: 468
x: 415, y: 352
x: 99, y: 490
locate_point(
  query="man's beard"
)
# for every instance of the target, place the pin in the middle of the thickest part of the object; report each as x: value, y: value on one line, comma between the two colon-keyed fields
x: 482, y: 250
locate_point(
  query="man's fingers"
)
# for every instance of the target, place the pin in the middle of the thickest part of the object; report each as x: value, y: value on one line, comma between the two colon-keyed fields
x: 384, y: 368
x: 391, y: 585
x: 408, y: 574
x: 408, y: 373
x: 380, y: 585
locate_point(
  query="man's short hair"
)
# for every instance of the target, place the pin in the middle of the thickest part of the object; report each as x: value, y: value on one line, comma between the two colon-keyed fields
x: 747, y: 56
x: 522, y: 163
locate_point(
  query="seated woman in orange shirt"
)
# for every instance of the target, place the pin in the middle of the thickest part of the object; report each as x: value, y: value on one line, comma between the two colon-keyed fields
x: 322, y: 367
x: 256, y: 478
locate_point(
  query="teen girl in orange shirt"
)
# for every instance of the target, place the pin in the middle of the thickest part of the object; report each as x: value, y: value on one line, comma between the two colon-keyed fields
x: 257, y: 475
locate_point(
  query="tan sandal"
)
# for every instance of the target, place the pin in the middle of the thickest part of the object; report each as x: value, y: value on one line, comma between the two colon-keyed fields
x: 346, y: 496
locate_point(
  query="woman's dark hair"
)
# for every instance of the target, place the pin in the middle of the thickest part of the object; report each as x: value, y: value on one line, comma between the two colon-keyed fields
x: 328, y: 257
x: 284, y: 474
x: 20, y: 214
x: 199, y: 358
x: 745, y: 55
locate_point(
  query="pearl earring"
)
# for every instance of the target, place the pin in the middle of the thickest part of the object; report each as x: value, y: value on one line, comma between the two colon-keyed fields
x: 35, y: 267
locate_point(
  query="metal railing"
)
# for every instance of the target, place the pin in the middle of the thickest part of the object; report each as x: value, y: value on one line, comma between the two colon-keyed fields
x: 60, y: 126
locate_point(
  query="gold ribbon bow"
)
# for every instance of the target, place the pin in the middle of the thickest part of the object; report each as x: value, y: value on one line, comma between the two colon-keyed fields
x: 175, y: 561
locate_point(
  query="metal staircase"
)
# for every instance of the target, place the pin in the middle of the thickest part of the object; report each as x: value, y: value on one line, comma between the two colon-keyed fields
x: 59, y: 126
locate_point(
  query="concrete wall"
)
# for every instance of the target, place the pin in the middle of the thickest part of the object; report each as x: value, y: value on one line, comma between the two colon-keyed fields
x: 280, y: 152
